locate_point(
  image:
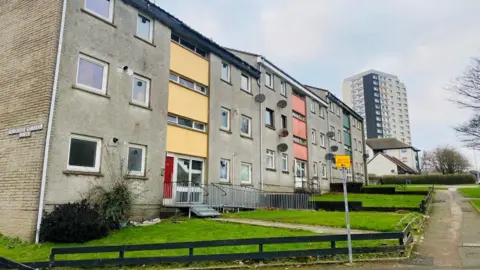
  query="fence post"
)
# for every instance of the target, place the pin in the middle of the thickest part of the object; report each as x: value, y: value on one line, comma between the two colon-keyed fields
x: 333, y: 244
x: 190, y: 251
x: 260, y: 248
x: 121, y: 256
x: 51, y: 259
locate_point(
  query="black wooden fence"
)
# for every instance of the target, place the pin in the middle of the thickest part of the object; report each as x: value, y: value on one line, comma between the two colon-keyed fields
x: 427, y: 200
x: 8, y: 264
x: 404, y: 238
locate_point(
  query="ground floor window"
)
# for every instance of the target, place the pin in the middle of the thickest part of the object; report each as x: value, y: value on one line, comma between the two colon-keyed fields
x: 136, y: 159
x: 84, y: 153
x: 224, y: 170
x: 246, y: 173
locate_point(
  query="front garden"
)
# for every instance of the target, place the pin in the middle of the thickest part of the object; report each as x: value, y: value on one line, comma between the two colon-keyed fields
x: 376, y: 200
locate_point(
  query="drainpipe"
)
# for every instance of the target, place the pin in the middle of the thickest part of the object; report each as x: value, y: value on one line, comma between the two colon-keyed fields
x: 233, y: 169
x: 259, y: 82
x: 49, y: 125
x: 328, y: 141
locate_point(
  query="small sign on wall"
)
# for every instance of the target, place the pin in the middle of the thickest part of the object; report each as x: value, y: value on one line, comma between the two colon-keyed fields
x: 25, y: 132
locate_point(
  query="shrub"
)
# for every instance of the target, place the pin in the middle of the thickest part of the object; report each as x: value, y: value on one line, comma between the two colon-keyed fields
x: 73, y: 223
x: 431, y: 179
x: 352, y: 187
x: 378, y: 190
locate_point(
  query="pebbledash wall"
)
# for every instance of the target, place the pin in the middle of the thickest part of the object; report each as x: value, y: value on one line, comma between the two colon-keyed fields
x: 29, y: 37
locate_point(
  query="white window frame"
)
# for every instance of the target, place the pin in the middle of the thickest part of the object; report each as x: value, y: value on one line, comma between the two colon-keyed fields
x: 283, y: 88
x: 196, y: 86
x: 98, y: 154
x: 285, y: 158
x: 249, y: 134
x: 321, y: 112
x: 324, y: 171
x: 223, y: 109
x: 176, y: 117
x: 312, y: 107
x: 225, y: 180
x: 147, y: 91
x: 249, y: 84
x: 315, y: 169
x: 270, y: 154
x: 150, y: 31
x: 339, y: 135
x: 104, y: 75
x: 110, y: 11
x: 228, y: 72
x: 314, y: 136
x: 249, y: 165
x: 332, y: 129
x: 322, y: 139
x: 144, y: 155
x: 270, y: 85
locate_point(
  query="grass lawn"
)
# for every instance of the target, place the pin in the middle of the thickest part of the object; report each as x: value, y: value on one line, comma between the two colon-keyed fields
x: 189, y: 230
x: 471, y: 192
x: 376, y: 200
x: 373, y: 221
x: 477, y: 204
x: 408, y: 187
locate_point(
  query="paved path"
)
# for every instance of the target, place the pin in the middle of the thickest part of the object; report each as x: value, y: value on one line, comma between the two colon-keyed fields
x: 312, y: 228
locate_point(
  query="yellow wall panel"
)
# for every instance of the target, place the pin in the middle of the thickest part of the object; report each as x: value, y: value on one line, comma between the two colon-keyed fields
x: 185, y: 102
x: 187, y: 142
x: 188, y: 64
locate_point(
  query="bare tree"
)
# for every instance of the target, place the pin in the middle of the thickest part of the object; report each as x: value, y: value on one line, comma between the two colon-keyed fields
x: 467, y: 90
x: 447, y: 160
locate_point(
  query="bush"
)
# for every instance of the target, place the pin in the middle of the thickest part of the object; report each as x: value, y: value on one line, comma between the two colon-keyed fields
x: 352, y: 187
x: 73, y: 223
x: 379, y: 190
x: 431, y: 179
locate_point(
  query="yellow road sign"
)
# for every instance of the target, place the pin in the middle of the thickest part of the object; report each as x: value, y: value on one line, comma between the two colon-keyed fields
x: 342, y: 161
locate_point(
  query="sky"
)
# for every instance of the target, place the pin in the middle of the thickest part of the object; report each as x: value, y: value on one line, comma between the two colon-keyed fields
x: 425, y: 43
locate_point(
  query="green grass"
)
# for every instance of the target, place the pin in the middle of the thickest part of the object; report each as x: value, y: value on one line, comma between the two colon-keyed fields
x: 376, y: 200
x: 477, y: 204
x: 190, y: 230
x: 373, y: 221
x: 408, y: 187
x: 471, y: 192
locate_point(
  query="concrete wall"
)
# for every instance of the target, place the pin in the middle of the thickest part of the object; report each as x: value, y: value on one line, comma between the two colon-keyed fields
x: 406, y: 156
x: 356, y: 132
x: 231, y: 145
x: 380, y: 165
x: 29, y: 38
x: 109, y: 116
x: 336, y: 121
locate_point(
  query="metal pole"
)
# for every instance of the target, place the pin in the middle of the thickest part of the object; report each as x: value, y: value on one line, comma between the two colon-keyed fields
x: 347, y: 217
x: 475, y: 159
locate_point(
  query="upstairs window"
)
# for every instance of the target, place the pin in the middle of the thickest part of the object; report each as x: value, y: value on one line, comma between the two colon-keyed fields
x: 245, y: 83
x: 92, y: 74
x: 225, y: 72
x: 84, y: 154
x: 246, y: 126
x: 188, y: 123
x: 144, y: 28
x: 270, y: 159
x: 188, y: 83
x: 269, y: 80
x: 269, y: 116
x: 283, y: 122
x: 101, y: 8
x: 175, y: 38
x: 283, y: 88
x: 140, y: 91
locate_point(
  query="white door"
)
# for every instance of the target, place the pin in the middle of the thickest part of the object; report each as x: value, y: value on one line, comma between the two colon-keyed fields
x: 300, y: 174
x: 188, y: 179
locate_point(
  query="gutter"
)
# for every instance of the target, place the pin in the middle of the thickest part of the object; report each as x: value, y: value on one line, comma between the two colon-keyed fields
x: 262, y: 125
x: 49, y: 126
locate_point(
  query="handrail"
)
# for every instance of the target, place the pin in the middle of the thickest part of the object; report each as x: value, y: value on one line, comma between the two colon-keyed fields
x: 201, y: 186
x: 221, y: 189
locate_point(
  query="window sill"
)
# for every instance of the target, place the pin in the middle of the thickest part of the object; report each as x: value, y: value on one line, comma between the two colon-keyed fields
x: 270, y: 169
x: 227, y: 82
x: 223, y: 183
x: 97, y: 174
x: 135, y: 177
x: 247, y: 92
x: 270, y: 87
x: 146, y: 41
x: 246, y: 137
x: 140, y: 106
x: 81, y: 88
x: 98, y: 17
x: 246, y: 185
x: 270, y: 127
x: 286, y: 172
x: 322, y: 146
x: 187, y: 128
x: 225, y: 130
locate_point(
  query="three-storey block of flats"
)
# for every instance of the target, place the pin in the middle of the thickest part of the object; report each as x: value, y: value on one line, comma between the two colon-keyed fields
x: 124, y: 91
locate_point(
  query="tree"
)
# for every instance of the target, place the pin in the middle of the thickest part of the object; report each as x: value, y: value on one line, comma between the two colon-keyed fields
x: 467, y: 90
x: 446, y: 160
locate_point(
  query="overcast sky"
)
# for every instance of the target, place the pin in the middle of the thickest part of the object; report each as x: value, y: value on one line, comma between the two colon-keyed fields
x: 426, y: 43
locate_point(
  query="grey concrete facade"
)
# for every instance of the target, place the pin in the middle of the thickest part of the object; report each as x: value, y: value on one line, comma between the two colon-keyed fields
x: 110, y: 116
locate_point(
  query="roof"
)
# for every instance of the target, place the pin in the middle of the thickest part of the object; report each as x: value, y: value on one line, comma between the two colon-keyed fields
x: 400, y: 164
x: 336, y: 100
x: 370, y: 71
x: 387, y: 143
x: 182, y: 29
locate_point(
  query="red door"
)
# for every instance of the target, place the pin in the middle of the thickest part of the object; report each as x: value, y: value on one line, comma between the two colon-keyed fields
x: 168, y: 185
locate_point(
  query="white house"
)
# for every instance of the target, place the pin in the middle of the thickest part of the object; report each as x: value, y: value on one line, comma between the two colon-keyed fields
x: 389, y: 156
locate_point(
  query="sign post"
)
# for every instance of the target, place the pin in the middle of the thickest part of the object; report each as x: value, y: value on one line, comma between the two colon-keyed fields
x: 343, y: 162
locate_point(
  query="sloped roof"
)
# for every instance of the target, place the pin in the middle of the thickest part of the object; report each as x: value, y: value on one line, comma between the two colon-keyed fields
x: 400, y: 164
x: 387, y: 143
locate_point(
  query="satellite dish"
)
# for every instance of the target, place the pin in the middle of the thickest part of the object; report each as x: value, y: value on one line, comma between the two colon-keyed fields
x: 282, y: 104
x: 330, y: 156
x: 330, y: 134
x: 334, y: 148
x: 260, y: 98
x: 283, y: 132
x: 366, y: 156
x: 282, y: 147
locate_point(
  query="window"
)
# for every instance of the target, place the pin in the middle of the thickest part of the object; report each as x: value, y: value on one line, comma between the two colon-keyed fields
x: 404, y: 159
x: 377, y: 100
x: 269, y: 80
x: 225, y: 118
x: 84, y: 154
x: 324, y: 170
x: 269, y: 118
x: 377, y: 106
x: 224, y: 170
x: 188, y: 83
x: 377, y: 113
x: 136, y: 159
x: 141, y: 91
x: 376, y: 94
x: 338, y: 111
x: 144, y: 28
x: 188, y: 45
x: 379, y: 131
x: 312, y: 107
x: 378, y: 118
x: 379, y: 124
x: 339, y: 136
x: 184, y: 122
x: 298, y: 116
x: 375, y: 88
x: 283, y: 88
x: 314, y: 136
x: 270, y: 159
x: 102, y: 8
x: 332, y: 129
x: 315, y: 169
x: 246, y: 126
x: 283, y: 122
x: 92, y: 74
x: 404, y: 150
x: 332, y: 107
x: 299, y: 140
x: 225, y: 72
x: 245, y: 83
x: 321, y: 112
x: 322, y: 139
x: 246, y: 173
x: 355, y: 143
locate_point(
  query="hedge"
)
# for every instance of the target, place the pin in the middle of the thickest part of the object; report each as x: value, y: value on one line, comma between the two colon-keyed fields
x: 378, y: 190
x: 431, y: 179
x: 352, y: 187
